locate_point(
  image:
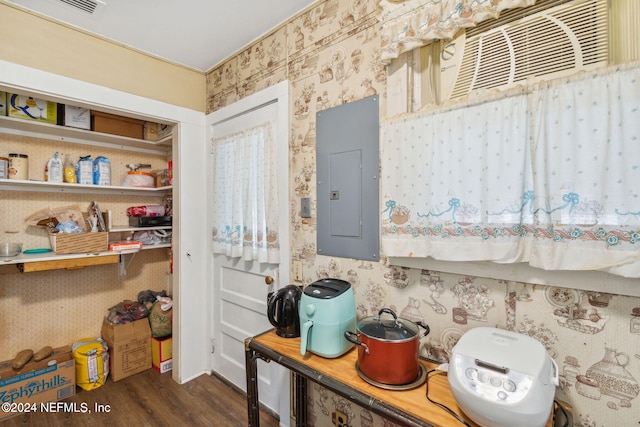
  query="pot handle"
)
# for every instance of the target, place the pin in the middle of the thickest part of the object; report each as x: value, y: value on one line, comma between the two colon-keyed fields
x: 391, y: 312
x: 353, y: 338
x: 425, y: 327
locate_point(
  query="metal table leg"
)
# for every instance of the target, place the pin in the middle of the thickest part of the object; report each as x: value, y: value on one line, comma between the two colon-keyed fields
x: 300, y: 403
x: 253, y: 405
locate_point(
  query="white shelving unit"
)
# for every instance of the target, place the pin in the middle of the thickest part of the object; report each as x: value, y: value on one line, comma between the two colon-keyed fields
x: 52, y: 187
x: 14, y: 126
x: 35, y: 129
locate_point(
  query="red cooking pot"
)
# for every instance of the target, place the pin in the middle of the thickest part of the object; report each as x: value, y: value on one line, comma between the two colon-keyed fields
x: 388, y: 349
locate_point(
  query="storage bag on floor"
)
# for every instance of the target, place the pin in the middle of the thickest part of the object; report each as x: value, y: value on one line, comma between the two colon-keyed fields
x: 92, y: 362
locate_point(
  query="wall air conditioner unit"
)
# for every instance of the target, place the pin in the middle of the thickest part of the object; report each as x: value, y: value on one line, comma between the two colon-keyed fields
x: 548, y: 40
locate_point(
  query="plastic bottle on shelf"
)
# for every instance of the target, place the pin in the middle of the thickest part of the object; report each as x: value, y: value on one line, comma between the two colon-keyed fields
x: 53, y: 169
x: 69, y: 170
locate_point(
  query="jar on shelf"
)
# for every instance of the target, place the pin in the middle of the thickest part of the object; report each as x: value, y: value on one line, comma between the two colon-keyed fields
x: 4, y: 167
x: 18, y: 166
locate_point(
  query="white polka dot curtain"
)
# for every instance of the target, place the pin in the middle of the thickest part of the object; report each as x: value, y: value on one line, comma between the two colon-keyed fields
x: 245, y: 212
x: 546, y: 175
x: 408, y: 24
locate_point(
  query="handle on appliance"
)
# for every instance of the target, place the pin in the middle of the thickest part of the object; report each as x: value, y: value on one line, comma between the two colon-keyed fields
x: 271, y: 306
x: 554, y: 378
x: 353, y: 338
x: 303, y: 336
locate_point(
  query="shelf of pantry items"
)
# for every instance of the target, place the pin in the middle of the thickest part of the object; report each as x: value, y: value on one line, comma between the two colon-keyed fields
x: 123, y: 228
x: 22, y: 127
x: 27, y: 263
x: 53, y: 187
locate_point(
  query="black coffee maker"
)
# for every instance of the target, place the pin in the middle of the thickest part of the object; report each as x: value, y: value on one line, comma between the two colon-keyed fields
x: 282, y: 311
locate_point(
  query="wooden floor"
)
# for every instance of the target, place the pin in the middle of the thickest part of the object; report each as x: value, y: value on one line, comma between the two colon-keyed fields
x: 152, y: 399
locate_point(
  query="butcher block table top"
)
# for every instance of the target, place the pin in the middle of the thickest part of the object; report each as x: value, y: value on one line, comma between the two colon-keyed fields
x: 343, y: 370
x: 340, y: 375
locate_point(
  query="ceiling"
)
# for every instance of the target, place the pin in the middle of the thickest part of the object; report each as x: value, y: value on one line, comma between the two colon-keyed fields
x: 198, y: 34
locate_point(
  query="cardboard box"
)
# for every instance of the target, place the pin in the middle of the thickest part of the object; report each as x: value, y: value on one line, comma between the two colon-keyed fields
x: 129, y: 347
x: 162, y: 177
x: 75, y: 117
x: 46, y: 384
x: 27, y: 107
x: 161, y: 356
x: 150, y: 131
x: 123, y: 245
x: 59, y: 354
x: 79, y: 243
x: 3, y: 103
x: 117, y: 125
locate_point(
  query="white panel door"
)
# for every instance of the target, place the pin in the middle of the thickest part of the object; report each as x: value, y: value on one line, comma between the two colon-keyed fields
x: 239, y: 300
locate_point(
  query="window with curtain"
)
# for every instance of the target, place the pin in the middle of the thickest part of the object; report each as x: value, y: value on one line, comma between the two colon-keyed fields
x: 408, y: 24
x: 546, y: 175
x: 245, y: 212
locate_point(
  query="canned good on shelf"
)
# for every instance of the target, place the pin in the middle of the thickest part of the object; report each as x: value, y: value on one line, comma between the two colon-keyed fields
x: 18, y: 166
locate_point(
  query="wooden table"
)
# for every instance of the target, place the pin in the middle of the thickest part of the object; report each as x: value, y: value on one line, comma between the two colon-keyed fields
x: 406, y: 407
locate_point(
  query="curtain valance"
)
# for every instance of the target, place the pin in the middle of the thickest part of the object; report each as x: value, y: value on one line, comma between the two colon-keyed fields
x: 413, y: 23
x: 545, y: 175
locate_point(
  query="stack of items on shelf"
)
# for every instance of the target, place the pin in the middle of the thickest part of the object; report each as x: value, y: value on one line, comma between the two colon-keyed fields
x: 160, y: 321
x: 78, y: 167
x: 152, y: 216
x: 30, y: 108
x: 72, y: 231
x: 138, y: 334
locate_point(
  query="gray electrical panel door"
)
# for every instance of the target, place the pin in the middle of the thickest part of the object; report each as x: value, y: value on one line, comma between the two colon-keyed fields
x: 347, y: 172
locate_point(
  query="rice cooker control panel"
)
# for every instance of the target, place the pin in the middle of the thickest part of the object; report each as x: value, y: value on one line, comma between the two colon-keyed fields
x: 493, y: 383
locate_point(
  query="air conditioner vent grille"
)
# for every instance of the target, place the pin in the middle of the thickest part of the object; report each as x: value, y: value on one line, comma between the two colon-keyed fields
x: 559, y: 40
x: 87, y: 6
x: 494, y: 64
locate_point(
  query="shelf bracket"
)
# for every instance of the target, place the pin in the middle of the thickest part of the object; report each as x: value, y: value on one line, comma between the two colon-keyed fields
x: 125, y: 260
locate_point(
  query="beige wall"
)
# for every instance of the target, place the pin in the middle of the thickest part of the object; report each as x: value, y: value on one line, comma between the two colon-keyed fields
x: 60, y: 307
x: 39, y: 43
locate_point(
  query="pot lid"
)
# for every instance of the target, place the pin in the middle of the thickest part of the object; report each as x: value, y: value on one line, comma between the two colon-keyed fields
x: 389, y: 329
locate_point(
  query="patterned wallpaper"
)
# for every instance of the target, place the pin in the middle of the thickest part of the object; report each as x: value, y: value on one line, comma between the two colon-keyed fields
x: 330, y: 55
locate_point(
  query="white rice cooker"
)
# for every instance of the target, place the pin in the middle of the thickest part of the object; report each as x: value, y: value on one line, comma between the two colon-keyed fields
x: 499, y: 376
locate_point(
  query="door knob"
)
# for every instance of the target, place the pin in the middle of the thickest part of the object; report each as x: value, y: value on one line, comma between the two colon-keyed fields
x: 268, y: 280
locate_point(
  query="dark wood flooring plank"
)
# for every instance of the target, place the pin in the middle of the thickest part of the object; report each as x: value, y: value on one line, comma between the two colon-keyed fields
x: 154, y: 400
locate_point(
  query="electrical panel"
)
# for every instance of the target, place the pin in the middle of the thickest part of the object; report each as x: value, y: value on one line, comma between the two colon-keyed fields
x: 347, y: 173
